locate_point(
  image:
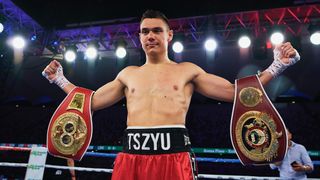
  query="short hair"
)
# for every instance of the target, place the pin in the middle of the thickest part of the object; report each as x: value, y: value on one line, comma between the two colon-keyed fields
x: 154, y: 14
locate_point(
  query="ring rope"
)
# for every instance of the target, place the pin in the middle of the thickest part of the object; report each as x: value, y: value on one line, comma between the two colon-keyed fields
x: 219, y: 151
x: 8, y: 164
x: 113, y: 155
x: 208, y: 176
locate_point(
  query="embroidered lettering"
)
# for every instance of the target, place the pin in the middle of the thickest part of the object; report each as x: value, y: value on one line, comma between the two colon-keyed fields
x: 148, y: 141
x: 147, y: 135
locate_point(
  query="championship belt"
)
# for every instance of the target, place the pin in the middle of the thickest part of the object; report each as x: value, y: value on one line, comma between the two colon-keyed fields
x: 258, y: 133
x: 70, y: 129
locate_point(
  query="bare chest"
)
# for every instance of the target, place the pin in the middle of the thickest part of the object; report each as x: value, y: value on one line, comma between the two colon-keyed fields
x: 156, y: 83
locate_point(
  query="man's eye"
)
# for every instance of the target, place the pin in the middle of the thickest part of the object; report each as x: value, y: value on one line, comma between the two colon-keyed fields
x: 157, y: 30
x: 145, y: 31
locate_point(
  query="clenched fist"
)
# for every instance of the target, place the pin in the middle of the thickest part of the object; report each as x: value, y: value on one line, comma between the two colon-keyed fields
x: 54, y: 73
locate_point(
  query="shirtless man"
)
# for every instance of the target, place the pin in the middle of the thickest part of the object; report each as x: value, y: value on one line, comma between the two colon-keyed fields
x: 158, y: 95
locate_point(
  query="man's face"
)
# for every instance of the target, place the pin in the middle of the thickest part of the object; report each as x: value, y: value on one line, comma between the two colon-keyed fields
x: 154, y: 35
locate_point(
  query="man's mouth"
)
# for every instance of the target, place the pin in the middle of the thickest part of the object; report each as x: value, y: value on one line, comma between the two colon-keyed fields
x: 151, y: 44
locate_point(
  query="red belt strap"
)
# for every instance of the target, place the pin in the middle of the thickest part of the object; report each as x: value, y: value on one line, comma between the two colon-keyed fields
x: 70, y: 129
x: 258, y: 133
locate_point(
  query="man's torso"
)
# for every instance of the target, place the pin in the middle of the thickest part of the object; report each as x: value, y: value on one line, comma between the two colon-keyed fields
x: 158, y: 94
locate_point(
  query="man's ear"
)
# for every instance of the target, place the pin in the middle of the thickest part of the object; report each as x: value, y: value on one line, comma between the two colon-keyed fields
x: 170, y: 34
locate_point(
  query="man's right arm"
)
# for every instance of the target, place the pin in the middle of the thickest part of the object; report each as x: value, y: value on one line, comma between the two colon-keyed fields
x: 108, y: 94
x: 54, y: 73
x: 105, y: 96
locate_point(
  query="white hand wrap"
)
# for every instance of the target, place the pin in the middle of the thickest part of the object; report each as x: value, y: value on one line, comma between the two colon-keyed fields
x: 278, y: 66
x: 59, y: 80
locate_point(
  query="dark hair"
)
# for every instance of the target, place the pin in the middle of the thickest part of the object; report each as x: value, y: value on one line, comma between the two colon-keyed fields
x: 154, y: 14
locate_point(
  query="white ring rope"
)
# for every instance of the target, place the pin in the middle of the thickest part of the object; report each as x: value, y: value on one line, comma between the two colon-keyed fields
x: 58, y: 167
x: 208, y: 176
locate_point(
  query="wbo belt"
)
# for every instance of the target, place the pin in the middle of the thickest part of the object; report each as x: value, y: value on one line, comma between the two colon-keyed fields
x: 258, y: 133
x: 156, y: 141
x: 70, y: 129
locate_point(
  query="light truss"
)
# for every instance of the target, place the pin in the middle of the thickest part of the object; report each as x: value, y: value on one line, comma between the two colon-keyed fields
x: 18, y: 18
x: 227, y: 26
x: 194, y: 29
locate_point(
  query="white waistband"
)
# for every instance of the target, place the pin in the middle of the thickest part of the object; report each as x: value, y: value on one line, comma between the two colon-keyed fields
x: 153, y: 127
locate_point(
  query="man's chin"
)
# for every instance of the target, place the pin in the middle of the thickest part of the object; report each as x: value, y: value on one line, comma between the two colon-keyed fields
x: 152, y: 50
x: 152, y: 53
x: 151, y: 47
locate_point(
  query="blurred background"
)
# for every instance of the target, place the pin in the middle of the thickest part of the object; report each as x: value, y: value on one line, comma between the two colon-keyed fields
x: 95, y: 39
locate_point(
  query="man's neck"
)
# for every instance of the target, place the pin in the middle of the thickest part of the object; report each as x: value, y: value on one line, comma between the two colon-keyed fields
x: 157, y: 59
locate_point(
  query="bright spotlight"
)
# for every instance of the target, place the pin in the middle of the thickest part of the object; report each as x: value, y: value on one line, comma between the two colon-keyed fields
x: 210, y: 44
x: 177, y: 47
x: 70, y: 55
x: 315, y: 38
x: 277, y: 38
x: 244, y: 42
x: 1, y: 27
x: 121, y: 52
x: 18, y: 42
x: 91, y: 52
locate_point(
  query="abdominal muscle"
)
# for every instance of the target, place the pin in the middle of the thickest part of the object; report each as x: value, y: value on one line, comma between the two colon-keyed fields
x: 157, y: 110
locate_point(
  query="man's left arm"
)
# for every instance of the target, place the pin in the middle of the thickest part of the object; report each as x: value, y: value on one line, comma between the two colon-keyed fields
x: 215, y: 87
x: 306, y: 164
x: 306, y: 160
x: 284, y: 55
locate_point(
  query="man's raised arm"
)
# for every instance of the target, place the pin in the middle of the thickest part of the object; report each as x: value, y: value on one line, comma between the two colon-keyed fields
x: 105, y: 96
x: 54, y: 73
x: 219, y: 88
x: 284, y: 56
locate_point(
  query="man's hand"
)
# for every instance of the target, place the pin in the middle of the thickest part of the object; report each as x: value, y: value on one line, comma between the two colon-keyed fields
x: 298, y: 167
x: 54, y: 73
x: 285, y: 52
x: 284, y: 56
x: 50, y: 72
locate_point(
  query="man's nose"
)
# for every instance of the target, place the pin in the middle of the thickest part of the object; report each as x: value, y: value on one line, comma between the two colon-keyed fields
x: 150, y: 35
x: 151, y: 38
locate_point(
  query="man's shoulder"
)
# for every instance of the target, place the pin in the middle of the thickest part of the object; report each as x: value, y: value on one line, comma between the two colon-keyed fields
x: 192, y: 68
x: 188, y: 65
x: 131, y: 67
x: 298, y: 146
x: 127, y: 70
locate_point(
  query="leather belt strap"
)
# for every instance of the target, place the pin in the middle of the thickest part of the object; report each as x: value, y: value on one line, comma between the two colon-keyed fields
x: 70, y: 129
x: 258, y: 133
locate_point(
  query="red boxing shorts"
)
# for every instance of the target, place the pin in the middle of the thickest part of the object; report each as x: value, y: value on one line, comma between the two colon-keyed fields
x: 155, y: 153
